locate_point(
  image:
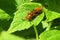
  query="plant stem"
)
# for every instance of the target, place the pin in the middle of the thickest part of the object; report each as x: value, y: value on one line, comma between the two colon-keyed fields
x: 36, y: 32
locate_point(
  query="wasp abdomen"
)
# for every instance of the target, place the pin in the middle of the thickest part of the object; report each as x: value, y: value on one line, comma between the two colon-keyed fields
x: 33, y: 13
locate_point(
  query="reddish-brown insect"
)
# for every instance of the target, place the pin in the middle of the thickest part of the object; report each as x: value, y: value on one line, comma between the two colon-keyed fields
x: 33, y: 13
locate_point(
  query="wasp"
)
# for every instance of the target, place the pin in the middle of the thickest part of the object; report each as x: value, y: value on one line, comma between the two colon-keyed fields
x: 33, y: 13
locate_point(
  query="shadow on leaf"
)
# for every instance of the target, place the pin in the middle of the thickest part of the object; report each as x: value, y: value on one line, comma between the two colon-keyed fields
x: 9, y: 6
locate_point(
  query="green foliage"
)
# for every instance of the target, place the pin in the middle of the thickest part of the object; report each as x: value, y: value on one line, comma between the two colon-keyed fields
x: 19, y: 2
x: 20, y: 23
x: 50, y: 35
x: 4, y: 15
x: 51, y: 15
x: 6, y: 36
x: 15, y: 26
x: 54, y: 5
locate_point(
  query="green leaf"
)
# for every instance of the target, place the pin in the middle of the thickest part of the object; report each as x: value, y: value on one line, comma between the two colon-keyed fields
x: 50, y: 35
x: 4, y: 20
x: 51, y: 15
x: 44, y: 24
x: 4, y: 15
x: 55, y: 37
x: 20, y: 2
x: 5, y: 36
x: 19, y: 22
x: 38, y: 19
